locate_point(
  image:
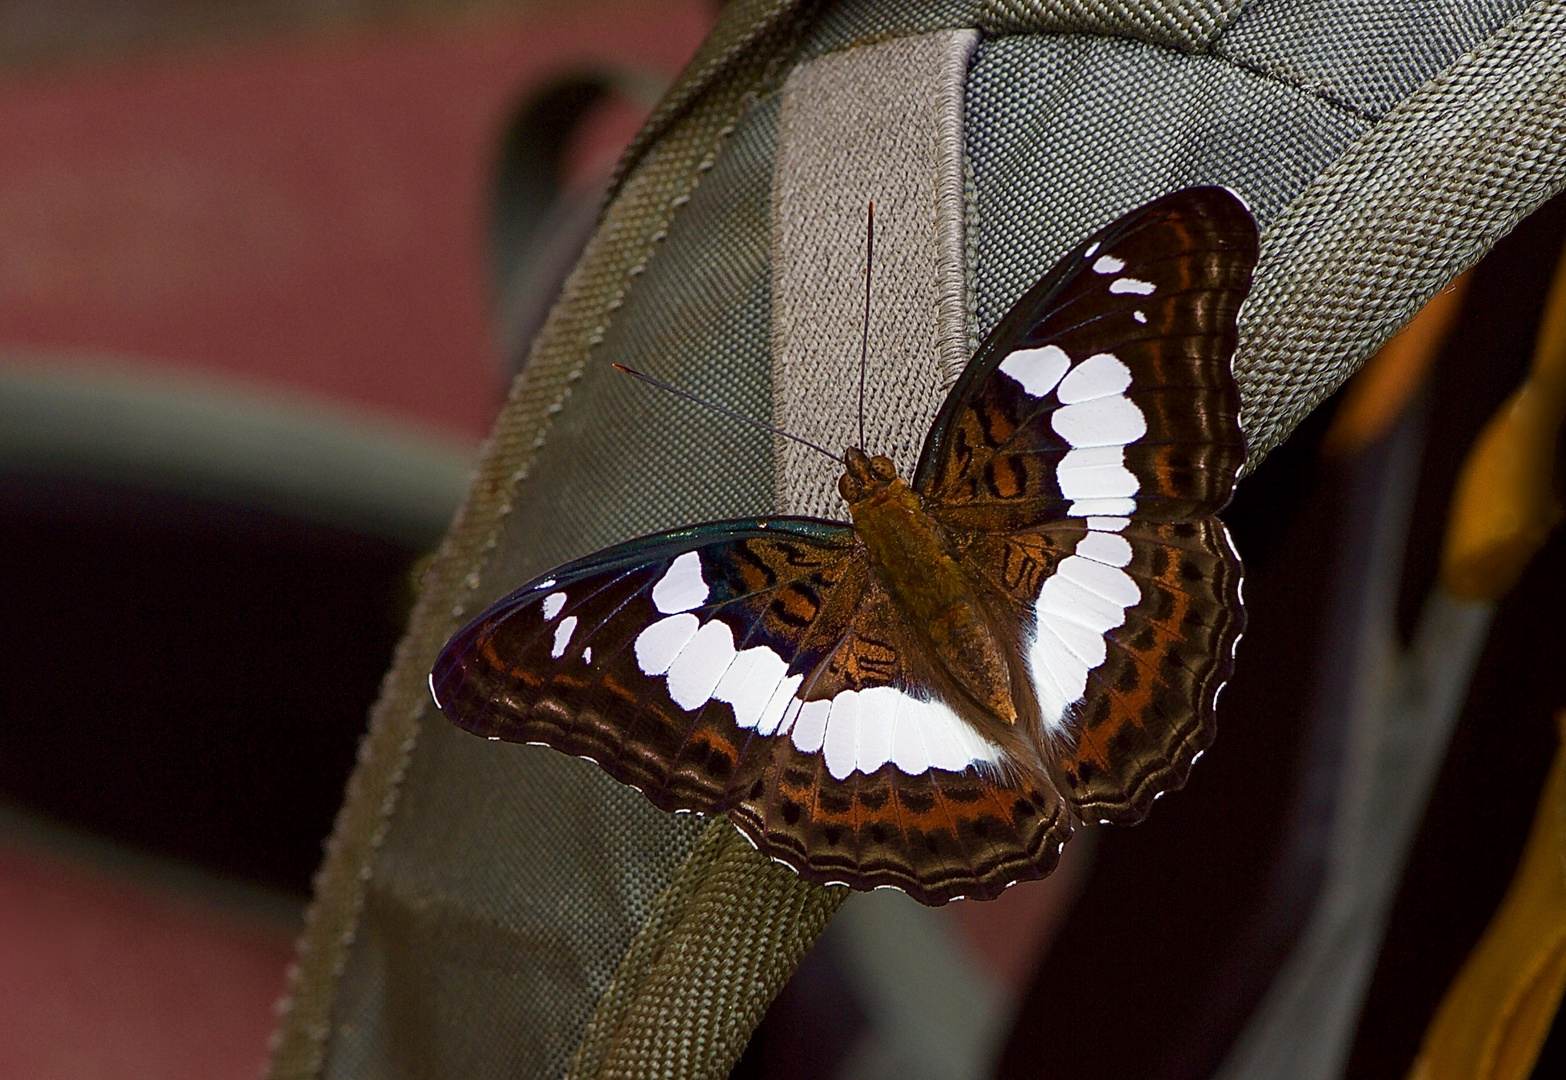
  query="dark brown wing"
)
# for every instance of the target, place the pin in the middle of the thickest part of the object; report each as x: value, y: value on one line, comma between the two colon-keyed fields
x: 903, y: 791
x: 666, y: 660
x: 1109, y: 381
x: 1080, y: 458
x: 753, y: 668
x: 1130, y: 629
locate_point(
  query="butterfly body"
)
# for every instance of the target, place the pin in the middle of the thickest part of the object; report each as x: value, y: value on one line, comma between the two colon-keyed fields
x: 912, y: 558
x: 1033, y: 630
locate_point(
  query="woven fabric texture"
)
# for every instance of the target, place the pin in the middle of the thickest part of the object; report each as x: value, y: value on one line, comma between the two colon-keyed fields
x: 686, y: 997
x: 1365, y: 55
x: 882, y: 123
x: 1067, y: 133
x: 558, y: 837
x: 463, y: 926
x: 1046, y: 112
x: 1187, y: 25
x: 1416, y: 201
x: 483, y: 908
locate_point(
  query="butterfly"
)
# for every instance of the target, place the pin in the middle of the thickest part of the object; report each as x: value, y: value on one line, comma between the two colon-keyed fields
x: 1032, y: 631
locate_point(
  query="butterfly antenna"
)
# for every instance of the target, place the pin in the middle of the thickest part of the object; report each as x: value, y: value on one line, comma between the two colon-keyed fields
x: 688, y: 396
x: 864, y: 341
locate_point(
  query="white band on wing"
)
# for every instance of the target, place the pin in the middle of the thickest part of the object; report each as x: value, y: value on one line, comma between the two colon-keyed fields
x: 855, y: 729
x: 1090, y: 592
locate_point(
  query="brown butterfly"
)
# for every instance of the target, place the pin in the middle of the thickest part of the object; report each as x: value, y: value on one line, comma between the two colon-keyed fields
x: 1036, y: 628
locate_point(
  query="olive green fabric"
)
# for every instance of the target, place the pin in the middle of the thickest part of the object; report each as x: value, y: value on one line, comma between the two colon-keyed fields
x: 1417, y: 200
x: 489, y: 910
x: 450, y: 935
x: 738, y: 923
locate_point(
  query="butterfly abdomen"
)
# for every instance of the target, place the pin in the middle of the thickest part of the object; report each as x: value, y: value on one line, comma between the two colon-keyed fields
x: 912, y: 558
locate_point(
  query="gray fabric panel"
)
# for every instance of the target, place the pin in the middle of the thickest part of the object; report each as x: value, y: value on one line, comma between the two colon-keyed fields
x: 884, y: 123
x: 747, y: 29
x: 473, y: 939
x: 1066, y: 133
x: 1364, y: 54
x: 513, y: 878
x: 1188, y: 25
x: 723, y: 939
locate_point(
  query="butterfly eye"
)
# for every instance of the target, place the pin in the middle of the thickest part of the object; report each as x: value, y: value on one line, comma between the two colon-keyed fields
x: 850, y: 488
x: 883, y: 468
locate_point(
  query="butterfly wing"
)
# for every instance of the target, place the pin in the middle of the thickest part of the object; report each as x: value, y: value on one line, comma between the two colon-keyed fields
x: 1129, y: 629
x: 754, y: 667
x: 1108, y: 381
x: 881, y: 782
x: 660, y: 659
x: 1081, y: 457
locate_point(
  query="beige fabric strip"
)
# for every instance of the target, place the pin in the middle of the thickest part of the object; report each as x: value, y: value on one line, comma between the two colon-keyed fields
x: 884, y: 123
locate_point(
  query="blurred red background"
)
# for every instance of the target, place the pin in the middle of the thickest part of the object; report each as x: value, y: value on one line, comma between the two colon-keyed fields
x: 293, y: 207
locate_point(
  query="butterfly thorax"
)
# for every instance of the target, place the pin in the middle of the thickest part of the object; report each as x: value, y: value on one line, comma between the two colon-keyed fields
x: 912, y: 558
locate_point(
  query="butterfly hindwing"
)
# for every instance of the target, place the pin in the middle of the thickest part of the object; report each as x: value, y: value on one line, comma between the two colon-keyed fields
x: 936, y: 835
x: 1130, y: 629
x: 1108, y: 381
x: 1152, y: 711
x: 881, y: 782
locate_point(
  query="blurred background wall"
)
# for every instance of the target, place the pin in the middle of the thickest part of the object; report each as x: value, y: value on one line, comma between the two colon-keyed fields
x: 266, y: 267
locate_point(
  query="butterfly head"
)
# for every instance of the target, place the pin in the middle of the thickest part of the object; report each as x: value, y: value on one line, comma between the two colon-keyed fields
x: 865, y: 475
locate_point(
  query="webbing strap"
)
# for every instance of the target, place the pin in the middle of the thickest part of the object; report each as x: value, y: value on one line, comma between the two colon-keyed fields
x: 883, y: 123
x: 1419, y: 199
x: 1187, y: 25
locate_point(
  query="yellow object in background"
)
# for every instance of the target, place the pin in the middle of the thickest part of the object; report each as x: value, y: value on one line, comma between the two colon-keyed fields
x: 1497, y: 1013
x: 1504, y: 506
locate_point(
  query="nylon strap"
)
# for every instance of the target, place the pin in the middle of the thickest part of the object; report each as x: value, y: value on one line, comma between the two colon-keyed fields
x: 1415, y: 202
x: 883, y: 123
x: 1187, y: 25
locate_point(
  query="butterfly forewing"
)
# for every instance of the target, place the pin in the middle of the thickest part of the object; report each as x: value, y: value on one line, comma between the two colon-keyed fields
x: 1108, y: 382
x: 1079, y: 461
x: 756, y: 668
x: 882, y: 782
x: 660, y: 659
